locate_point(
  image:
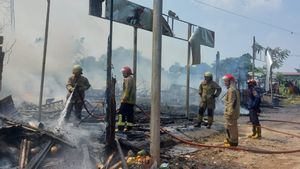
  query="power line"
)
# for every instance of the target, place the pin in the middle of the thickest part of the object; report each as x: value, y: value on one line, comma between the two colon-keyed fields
x: 294, y: 55
x: 248, y: 18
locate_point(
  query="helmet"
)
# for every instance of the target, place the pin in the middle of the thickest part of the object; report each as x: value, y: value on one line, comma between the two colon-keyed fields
x: 208, y: 74
x: 252, y: 82
x: 126, y: 70
x: 229, y: 77
x: 77, y: 69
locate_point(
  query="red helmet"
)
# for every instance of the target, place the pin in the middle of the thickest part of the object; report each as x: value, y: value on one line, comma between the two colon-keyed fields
x: 228, y: 77
x: 252, y: 82
x: 126, y: 70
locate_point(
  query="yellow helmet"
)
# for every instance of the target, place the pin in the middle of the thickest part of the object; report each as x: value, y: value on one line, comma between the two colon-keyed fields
x: 208, y: 74
x: 77, y: 69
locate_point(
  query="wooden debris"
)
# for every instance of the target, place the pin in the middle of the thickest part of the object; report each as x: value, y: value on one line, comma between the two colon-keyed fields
x: 24, y: 153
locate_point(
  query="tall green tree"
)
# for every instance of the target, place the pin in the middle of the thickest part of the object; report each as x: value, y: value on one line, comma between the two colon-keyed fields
x: 278, y: 56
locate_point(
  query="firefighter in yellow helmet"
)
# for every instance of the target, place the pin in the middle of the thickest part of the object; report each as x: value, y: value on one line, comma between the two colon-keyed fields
x: 126, y: 116
x: 232, y: 111
x: 76, y: 85
x: 208, y: 91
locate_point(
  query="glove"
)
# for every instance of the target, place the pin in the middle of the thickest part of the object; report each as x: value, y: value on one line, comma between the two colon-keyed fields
x: 71, y: 89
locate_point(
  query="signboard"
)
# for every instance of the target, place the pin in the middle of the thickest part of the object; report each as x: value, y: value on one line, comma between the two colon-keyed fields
x: 132, y: 14
x: 201, y: 36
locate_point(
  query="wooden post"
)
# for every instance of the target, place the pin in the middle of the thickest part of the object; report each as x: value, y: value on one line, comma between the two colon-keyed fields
x: 134, y: 57
x: 156, y: 81
x: 187, y: 99
x: 110, y: 113
x: 44, y: 61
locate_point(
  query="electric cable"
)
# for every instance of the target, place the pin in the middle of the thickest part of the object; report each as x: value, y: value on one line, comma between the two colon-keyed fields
x: 248, y: 18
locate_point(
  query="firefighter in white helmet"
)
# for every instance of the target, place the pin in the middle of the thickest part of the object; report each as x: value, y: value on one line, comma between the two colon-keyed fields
x: 126, y: 112
x: 77, y: 84
x: 208, y: 91
x: 232, y: 111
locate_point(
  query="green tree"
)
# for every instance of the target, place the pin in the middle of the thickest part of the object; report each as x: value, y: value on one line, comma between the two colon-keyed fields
x: 280, y: 77
x: 278, y: 56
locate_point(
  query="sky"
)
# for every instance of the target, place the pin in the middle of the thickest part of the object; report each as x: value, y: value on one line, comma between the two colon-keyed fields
x: 70, y: 22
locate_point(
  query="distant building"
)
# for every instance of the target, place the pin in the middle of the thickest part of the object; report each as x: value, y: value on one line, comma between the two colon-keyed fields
x: 290, y: 75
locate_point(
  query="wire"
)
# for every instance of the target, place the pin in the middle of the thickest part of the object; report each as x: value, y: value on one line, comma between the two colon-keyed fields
x: 248, y: 18
x: 294, y: 55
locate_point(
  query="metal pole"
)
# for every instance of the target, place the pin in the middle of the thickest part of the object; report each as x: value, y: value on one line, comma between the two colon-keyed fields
x: 271, y: 86
x: 12, y: 14
x: 253, y: 57
x: 110, y: 128
x: 134, y: 57
x: 187, y: 99
x: 217, y: 67
x: 44, y: 60
x: 156, y: 81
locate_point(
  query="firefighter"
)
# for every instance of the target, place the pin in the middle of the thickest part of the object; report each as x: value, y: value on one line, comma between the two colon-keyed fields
x: 254, y: 108
x: 208, y: 91
x: 125, y: 115
x: 232, y: 111
x: 77, y: 84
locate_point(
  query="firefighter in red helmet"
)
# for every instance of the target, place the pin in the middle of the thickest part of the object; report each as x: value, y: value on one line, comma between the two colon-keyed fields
x: 254, y: 108
x: 126, y: 116
x: 232, y: 111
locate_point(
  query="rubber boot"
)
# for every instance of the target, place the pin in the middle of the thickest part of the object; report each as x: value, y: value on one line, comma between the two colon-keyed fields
x: 258, y: 133
x: 198, y: 124
x: 200, y: 118
x: 253, y: 132
x: 210, y: 121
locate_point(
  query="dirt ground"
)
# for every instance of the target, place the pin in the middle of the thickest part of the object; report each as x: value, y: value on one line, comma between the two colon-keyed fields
x: 229, y: 159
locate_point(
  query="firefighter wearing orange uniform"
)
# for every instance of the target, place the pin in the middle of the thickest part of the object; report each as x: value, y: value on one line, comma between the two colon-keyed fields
x: 126, y: 116
x: 208, y: 91
x: 232, y: 111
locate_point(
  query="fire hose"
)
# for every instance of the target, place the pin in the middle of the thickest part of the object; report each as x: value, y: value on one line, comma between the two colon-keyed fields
x: 259, y: 151
x: 87, y: 110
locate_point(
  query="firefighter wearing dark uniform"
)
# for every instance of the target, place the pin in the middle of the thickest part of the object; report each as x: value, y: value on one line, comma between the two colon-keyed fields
x: 76, y: 86
x: 126, y: 116
x: 254, y: 109
x: 208, y: 91
x: 232, y: 111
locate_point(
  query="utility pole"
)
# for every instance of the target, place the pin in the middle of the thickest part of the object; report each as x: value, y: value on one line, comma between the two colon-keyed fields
x: 253, y: 57
x: 44, y: 61
x: 134, y: 57
x: 1, y: 61
x: 217, y: 67
x: 110, y: 113
x: 156, y: 81
x: 187, y: 99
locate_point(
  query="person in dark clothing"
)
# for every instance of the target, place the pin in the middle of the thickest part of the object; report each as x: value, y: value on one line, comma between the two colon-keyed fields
x: 254, y: 109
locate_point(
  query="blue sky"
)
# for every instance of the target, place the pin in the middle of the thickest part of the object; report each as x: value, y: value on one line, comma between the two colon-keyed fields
x: 234, y: 34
